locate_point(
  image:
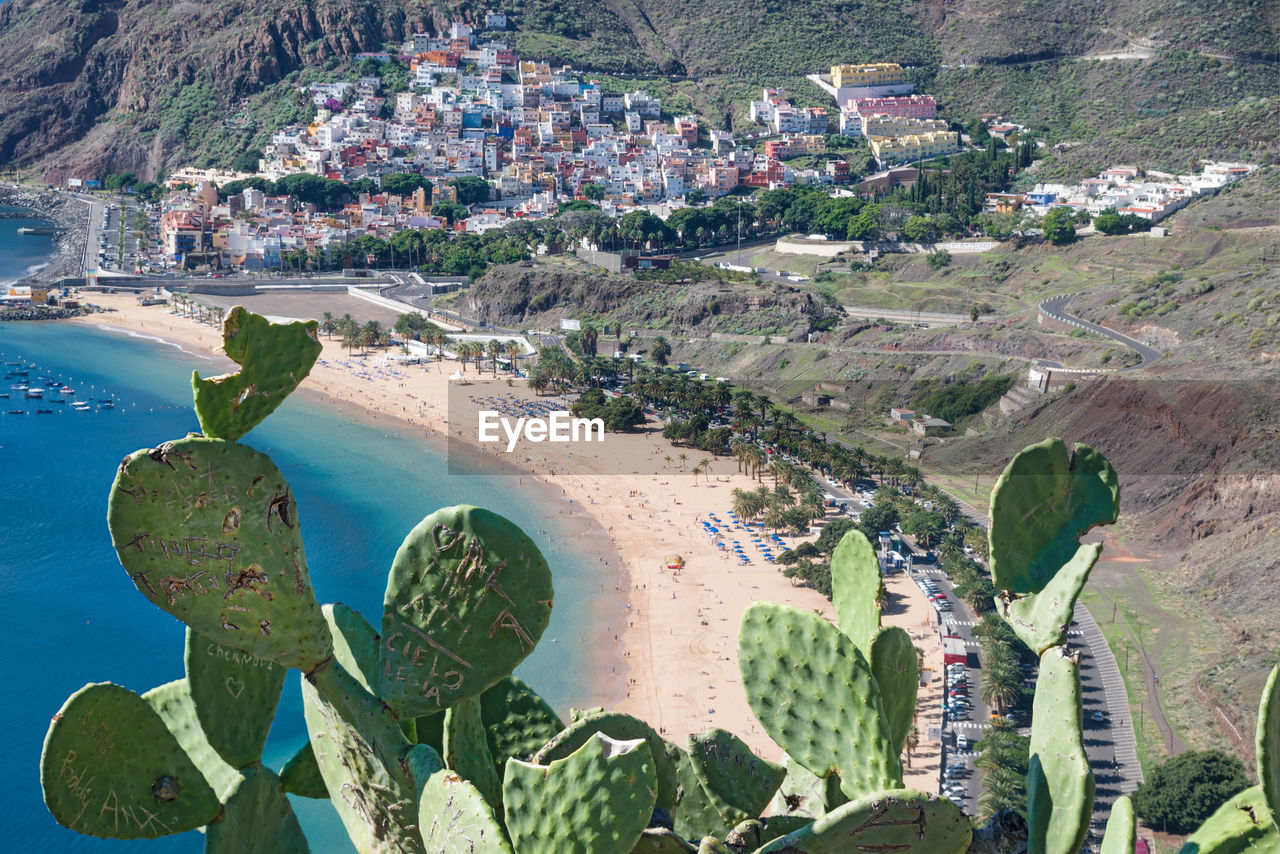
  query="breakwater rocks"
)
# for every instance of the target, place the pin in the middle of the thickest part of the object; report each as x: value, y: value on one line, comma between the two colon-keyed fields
x: 40, y: 312
x: 69, y: 214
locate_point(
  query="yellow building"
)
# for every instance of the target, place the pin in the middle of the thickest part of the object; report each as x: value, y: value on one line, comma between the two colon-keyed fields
x: 870, y: 74
x: 881, y: 125
x: 905, y: 149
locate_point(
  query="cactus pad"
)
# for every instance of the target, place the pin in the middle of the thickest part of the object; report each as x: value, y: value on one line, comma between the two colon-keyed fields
x: 355, y: 643
x: 111, y: 768
x: 359, y: 750
x: 739, y: 783
x: 711, y: 845
x: 301, y: 775
x: 813, y: 692
x: 1041, y: 505
x: 456, y: 819
x: 468, y: 596
x: 804, y: 795
x: 1059, y: 781
x: 1242, y: 825
x: 596, y: 800
x: 466, y: 749
x: 257, y: 819
x: 1121, y: 836
x: 208, y: 531
x: 1267, y: 743
x: 900, y: 820
x: 659, y: 840
x: 694, y: 814
x: 273, y: 359
x: 235, y: 697
x: 897, y: 671
x: 517, y: 721
x: 172, y: 702
x: 619, y: 727
x: 855, y: 589
x: 1041, y: 620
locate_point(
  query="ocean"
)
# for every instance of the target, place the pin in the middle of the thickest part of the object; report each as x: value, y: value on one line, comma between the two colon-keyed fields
x: 21, y: 254
x: 76, y: 618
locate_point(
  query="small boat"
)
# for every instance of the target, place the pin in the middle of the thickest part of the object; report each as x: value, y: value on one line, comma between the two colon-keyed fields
x: 66, y: 389
x: 107, y: 404
x: 35, y: 392
x: 12, y: 363
x: 44, y: 412
x: 18, y: 387
x: 17, y: 412
x: 84, y: 407
x: 4, y: 395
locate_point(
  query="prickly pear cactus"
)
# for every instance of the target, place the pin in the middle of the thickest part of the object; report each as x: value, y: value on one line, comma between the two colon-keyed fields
x: 517, y: 721
x: 468, y: 596
x: 273, y: 359
x: 694, y: 813
x: 1041, y: 620
x: 897, y: 672
x: 456, y: 819
x: 739, y: 783
x: 855, y: 588
x: 301, y: 775
x: 899, y: 820
x: 619, y: 727
x: 1059, y: 781
x: 1041, y: 505
x: 659, y: 840
x: 1267, y: 743
x: 596, y: 800
x: 466, y: 750
x: 805, y: 795
x: 111, y: 768
x: 1121, y: 836
x: 359, y: 749
x: 257, y: 819
x: 208, y: 531
x: 1242, y: 825
x: 355, y: 643
x: 813, y: 692
x: 235, y: 697
x: 172, y: 702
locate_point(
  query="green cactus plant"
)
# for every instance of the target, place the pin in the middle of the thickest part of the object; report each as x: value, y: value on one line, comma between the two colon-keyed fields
x: 460, y: 567
x: 111, y: 768
x: 1043, y: 502
x: 208, y: 531
x: 466, y: 749
x: 596, y: 800
x: 898, y: 820
x: 1060, y: 784
x: 619, y: 727
x: 257, y: 819
x: 1267, y: 743
x: 738, y: 783
x: 274, y: 358
x: 897, y: 673
x: 855, y: 589
x: 456, y: 818
x: 235, y: 697
x: 517, y: 722
x: 359, y: 749
x: 795, y: 665
x: 1121, y: 836
x: 1243, y: 825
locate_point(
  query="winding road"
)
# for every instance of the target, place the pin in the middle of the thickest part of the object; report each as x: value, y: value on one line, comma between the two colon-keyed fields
x: 1053, y: 308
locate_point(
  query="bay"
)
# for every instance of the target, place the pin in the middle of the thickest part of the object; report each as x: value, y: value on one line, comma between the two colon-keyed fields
x: 76, y: 618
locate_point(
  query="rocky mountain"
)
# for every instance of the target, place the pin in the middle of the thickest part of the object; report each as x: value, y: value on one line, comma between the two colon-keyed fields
x: 134, y: 85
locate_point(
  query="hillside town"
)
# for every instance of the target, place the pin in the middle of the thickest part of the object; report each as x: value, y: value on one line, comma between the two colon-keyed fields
x: 488, y: 138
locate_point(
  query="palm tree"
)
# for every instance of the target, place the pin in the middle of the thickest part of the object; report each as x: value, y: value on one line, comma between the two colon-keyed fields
x: 660, y: 350
x: 775, y: 518
x: 684, y: 458
x: 745, y: 504
x: 912, y: 742
x: 784, y: 496
x: 326, y: 323
x: 668, y: 460
x: 1001, y: 685
x: 513, y: 353
x: 697, y: 470
x: 705, y: 462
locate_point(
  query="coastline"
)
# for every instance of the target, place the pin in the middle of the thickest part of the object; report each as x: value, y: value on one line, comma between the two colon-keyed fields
x: 69, y: 214
x: 666, y: 645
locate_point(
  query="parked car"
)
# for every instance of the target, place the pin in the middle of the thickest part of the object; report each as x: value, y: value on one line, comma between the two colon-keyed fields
x: 962, y: 742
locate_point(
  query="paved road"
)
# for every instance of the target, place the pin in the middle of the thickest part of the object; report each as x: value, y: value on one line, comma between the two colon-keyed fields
x: 1054, y: 308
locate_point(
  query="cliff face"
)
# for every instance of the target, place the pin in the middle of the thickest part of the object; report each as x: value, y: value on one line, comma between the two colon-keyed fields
x: 101, y: 83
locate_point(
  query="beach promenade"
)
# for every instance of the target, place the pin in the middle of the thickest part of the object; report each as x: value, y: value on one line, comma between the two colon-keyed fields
x: 674, y: 655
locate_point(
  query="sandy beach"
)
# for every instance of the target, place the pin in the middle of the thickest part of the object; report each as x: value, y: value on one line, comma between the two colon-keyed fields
x: 674, y: 641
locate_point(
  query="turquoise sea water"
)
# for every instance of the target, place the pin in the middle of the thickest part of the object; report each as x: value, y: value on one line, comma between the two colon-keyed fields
x: 20, y: 254
x: 74, y: 616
